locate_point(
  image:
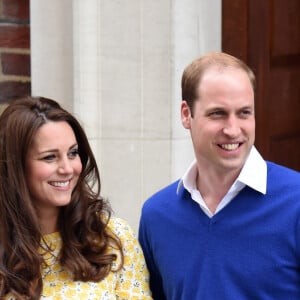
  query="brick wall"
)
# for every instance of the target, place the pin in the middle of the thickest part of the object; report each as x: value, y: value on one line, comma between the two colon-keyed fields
x: 14, y: 50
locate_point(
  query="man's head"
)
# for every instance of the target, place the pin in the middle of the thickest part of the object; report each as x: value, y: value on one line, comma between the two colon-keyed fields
x: 193, y: 73
x: 218, y: 109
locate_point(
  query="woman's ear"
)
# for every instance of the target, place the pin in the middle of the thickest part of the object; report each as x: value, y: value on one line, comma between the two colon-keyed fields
x: 185, y: 115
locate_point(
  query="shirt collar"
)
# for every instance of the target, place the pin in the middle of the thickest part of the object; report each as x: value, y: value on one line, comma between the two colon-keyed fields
x: 253, y: 174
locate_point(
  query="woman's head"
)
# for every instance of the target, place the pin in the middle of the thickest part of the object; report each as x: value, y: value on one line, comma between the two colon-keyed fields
x: 22, y: 125
x: 52, y: 169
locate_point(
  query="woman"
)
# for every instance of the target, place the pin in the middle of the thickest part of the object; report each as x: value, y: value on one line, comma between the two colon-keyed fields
x: 57, y: 237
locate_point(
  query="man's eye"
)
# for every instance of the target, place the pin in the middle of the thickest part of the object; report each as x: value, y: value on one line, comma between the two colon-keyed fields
x: 217, y: 113
x: 246, y: 113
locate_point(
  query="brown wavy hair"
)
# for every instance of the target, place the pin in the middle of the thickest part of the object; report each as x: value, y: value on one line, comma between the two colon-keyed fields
x: 84, y: 232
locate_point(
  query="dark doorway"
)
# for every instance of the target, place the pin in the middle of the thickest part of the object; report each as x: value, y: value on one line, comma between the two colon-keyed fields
x: 266, y: 35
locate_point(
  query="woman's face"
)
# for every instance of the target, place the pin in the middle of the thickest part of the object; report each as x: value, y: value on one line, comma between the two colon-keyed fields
x: 53, y: 167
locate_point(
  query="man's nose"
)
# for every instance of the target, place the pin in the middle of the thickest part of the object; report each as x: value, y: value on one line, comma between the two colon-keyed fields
x: 232, y: 127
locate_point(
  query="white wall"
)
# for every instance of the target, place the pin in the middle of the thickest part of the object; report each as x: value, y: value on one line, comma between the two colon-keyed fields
x: 117, y: 66
x: 52, y: 50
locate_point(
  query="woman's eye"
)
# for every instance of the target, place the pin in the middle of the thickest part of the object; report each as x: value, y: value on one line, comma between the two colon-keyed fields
x: 49, y: 157
x: 74, y: 153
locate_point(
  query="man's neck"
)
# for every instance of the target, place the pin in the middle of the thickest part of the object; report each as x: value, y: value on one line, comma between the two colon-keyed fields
x: 214, y: 186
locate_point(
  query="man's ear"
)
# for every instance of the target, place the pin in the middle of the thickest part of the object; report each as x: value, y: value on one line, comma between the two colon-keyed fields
x: 185, y: 115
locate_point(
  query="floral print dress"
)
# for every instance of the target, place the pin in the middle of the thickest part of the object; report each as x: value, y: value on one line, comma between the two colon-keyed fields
x: 130, y: 282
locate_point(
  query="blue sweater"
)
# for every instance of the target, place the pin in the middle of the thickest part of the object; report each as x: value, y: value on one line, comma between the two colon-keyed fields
x: 249, y: 250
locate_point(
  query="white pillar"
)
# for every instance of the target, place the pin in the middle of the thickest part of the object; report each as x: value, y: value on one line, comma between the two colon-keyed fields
x: 52, y: 50
x: 196, y: 29
x: 86, y: 69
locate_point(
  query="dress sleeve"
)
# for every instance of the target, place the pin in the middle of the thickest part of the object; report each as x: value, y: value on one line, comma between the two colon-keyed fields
x: 133, y: 277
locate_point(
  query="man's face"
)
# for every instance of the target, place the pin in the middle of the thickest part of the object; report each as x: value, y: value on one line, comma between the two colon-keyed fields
x: 223, y: 125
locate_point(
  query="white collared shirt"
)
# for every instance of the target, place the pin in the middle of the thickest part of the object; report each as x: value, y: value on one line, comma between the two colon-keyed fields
x: 253, y: 174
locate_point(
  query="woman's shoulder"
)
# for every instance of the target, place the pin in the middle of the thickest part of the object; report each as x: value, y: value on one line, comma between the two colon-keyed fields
x: 123, y: 231
x: 120, y: 227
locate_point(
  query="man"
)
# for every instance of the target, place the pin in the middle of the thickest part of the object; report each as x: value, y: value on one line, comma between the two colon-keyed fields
x: 230, y: 227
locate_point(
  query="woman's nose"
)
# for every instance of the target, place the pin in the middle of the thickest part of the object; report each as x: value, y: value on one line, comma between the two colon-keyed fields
x: 65, y: 166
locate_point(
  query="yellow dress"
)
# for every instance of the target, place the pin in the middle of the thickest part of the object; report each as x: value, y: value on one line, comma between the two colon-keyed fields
x: 131, y: 282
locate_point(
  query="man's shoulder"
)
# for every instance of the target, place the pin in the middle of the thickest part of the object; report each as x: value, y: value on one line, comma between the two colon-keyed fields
x: 283, y: 178
x: 275, y: 169
x: 162, y: 196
